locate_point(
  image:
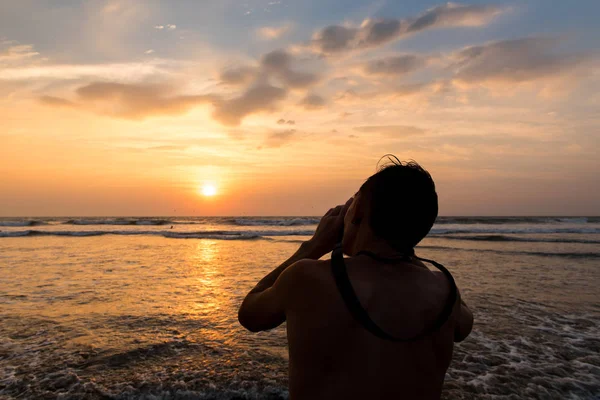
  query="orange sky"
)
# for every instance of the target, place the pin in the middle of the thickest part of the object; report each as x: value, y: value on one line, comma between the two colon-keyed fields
x: 138, y: 105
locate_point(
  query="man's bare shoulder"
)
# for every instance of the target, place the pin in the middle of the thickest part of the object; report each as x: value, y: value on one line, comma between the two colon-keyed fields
x: 307, y: 279
x: 308, y: 271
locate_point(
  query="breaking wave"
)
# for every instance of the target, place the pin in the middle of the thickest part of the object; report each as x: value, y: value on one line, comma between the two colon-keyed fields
x: 220, y: 235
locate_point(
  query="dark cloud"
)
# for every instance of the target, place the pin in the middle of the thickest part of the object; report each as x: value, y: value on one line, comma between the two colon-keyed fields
x: 451, y: 14
x: 284, y: 122
x: 391, y: 130
x: 313, y: 102
x: 141, y: 101
x: 130, y: 101
x: 519, y: 60
x: 279, y: 64
x: 277, y: 60
x: 238, y: 76
x: 335, y: 38
x: 397, y: 65
x: 258, y: 98
x: 376, y: 32
x: 278, y: 139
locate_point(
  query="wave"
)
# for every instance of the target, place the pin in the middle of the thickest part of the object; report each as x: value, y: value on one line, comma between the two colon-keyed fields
x: 119, y: 222
x: 504, y: 238
x: 219, y: 235
x: 441, y: 222
x: 29, y: 222
x: 516, y: 220
x: 573, y: 255
x: 297, y: 221
x: 513, y: 230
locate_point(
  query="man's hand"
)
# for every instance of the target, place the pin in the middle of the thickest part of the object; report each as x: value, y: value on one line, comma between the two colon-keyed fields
x: 329, y: 231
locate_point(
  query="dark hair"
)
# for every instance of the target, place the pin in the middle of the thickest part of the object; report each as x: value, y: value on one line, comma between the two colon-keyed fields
x: 401, y: 201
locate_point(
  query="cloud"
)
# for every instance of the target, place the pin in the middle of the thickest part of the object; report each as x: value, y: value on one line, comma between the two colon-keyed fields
x: 280, y: 138
x: 278, y: 63
x: 259, y: 98
x: 121, y: 72
x: 57, y: 101
x: 288, y: 122
x: 149, y: 51
x: 451, y: 14
x: 519, y: 60
x: 313, y: 102
x: 394, y: 66
x: 139, y: 101
x: 376, y: 32
x: 391, y: 130
x: 169, y: 27
x: 238, y: 75
x: 335, y: 38
x: 130, y: 101
x: 16, y: 53
x: 390, y: 92
x: 273, y: 32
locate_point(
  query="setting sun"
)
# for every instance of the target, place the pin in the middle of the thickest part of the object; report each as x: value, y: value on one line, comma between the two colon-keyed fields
x: 209, y: 190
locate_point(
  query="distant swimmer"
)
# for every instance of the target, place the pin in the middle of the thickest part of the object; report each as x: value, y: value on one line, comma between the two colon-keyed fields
x: 378, y: 324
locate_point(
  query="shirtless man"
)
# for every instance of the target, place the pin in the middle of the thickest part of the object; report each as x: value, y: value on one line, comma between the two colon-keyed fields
x: 417, y: 314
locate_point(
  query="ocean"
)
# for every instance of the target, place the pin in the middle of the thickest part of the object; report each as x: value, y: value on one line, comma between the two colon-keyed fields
x: 119, y: 308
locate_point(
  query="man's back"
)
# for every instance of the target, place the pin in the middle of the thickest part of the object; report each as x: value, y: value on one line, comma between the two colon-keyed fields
x: 333, y: 356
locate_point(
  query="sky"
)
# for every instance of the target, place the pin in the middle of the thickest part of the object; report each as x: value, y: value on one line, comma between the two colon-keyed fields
x: 130, y: 107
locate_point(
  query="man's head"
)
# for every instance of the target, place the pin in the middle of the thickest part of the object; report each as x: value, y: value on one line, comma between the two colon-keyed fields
x: 398, y: 205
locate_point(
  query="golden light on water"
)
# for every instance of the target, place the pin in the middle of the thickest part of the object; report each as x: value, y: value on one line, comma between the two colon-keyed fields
x: 208, y: 190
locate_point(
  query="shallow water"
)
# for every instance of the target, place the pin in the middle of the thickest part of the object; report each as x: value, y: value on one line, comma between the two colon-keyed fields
x: 141, y: 315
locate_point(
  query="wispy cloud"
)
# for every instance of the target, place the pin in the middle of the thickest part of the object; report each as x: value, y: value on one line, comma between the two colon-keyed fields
x: 395, y: 65
x: 375, y: 32
x: 278, y: 139
x: 11, y: 53
x: 273, y: 32
x: 130, y: 101
x: 391, y: 130
x: 519, y: 60
x: 115, y: 72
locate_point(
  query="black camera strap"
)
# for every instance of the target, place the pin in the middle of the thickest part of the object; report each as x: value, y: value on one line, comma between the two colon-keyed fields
x: 348, y: 294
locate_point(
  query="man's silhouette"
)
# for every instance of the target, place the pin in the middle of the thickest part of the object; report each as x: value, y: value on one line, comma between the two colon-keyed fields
x: 378, y: 324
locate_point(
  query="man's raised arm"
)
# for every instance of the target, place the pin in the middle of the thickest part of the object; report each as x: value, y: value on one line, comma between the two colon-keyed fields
x: 264, y: 307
